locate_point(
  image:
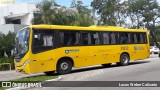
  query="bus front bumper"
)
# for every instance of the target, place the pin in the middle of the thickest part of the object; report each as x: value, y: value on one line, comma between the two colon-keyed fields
x: 25, y: 68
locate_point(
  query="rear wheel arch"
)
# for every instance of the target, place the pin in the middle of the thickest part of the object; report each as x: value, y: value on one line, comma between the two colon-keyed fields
x: 64, y: 65
x: 124, y: 62
x: 125, y: 53
x: 67, y: 58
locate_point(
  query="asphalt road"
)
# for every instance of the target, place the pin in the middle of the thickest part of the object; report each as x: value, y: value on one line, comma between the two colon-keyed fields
x: 144, y: 70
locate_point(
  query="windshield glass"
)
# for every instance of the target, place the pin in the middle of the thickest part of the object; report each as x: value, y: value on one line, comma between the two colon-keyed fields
x: 22, y: 42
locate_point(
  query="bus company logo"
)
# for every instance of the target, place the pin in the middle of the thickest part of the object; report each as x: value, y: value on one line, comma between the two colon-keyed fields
x: 71, y: 51
x: 6, y: 84
x: 138, y: 48
x: 125, y: 48
x: 7, y: 1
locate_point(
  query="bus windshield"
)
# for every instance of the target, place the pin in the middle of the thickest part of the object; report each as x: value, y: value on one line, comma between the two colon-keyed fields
x: 22, y: 42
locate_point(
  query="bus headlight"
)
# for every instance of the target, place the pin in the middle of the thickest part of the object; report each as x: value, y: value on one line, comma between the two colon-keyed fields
x: 25, y: 63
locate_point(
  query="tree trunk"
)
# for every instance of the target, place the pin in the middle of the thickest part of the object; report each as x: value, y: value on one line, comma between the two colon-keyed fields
x: 8, y: 53
x: 154, y: 38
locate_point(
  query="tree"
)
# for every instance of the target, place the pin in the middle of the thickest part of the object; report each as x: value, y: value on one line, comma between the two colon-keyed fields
x: 110, y: 11
x: 45, y: 14
x: 1, y: 45
x: 139, y: 12
x: 59, y: 15
x: 145, y: 12
x: 151, y: 16
x: 133, y: 12
x: 83, y: 17
x: 7, y: 43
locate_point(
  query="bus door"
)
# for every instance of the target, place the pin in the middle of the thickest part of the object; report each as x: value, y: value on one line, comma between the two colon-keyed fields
x: 98, y: 54
x: 43, y: 42
x: 85, y: 54
x: 97, y: 51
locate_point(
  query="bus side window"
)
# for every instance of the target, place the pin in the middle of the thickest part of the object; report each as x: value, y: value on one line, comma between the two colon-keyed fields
x: 65, y: 39
x: 138, y: 38
x: 105, y: 36
x: 135, y: 38
x: 144, y: 37
x: 113, y: 38
x: 75, y: 38
x: 43, y: 40
x: 129, y: 38
x: 47, y: 40
x: 124, y: 38
x: 68, y: 38
x: 95, y: 38
x: 86, y: 38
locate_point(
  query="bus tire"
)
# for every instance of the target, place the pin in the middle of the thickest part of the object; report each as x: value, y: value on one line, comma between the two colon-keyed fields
x: 64, y: 66
x: 106, y: 65
x: 49, y: 73
x: 124, y: 59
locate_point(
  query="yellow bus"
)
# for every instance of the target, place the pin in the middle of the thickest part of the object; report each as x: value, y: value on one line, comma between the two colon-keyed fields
x: 50, y: 48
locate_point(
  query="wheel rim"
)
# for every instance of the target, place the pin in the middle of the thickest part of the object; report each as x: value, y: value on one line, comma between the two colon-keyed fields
x: 125, y: 59
x: 64, y: 66
x: 152, y: 52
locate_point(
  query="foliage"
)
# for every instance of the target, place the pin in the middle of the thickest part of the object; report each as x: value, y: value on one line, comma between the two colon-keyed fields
x: 7, y: 43
x: 7, y: 60
x: 111, y: 12
x: 141, y: 13
x: 55, y: 14
x: 36, y: 78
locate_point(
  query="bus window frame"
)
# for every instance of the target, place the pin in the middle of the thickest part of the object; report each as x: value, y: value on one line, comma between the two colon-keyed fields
x: 100, y: 33
x: 40, y: 51
x: 70, y: 31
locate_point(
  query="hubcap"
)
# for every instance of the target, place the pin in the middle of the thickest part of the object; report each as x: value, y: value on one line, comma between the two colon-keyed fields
x: 64, y: 66
x: 125, y: 59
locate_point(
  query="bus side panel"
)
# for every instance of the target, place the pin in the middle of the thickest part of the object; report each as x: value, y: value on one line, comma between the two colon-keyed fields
x: 98, y: 53
x: 42, y: 62
x: 142, y: 51
x: 80, y: 55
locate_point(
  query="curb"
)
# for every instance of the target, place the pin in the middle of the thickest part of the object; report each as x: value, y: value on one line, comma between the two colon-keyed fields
x: 57, y: 79
x: 19, y: 88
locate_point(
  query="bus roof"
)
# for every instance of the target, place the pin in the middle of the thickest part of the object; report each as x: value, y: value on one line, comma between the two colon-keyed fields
x: 90, y: 28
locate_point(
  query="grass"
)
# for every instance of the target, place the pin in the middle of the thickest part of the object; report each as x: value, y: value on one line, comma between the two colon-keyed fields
x: 36, y: 78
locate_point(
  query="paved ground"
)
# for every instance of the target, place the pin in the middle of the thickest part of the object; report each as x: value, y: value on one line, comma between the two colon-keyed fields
x: 12, y: 75
x: 145, y: 70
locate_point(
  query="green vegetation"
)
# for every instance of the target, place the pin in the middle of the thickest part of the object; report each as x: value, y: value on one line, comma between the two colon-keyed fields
x: 141, y: 13
x: 6, y: 45
x: 6, y: 60
x: 49, y: 12
x: 36, y: 78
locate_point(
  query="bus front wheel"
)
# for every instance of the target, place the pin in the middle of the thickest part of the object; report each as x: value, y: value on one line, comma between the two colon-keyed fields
x: 64, y: 66
x: 124, y: 59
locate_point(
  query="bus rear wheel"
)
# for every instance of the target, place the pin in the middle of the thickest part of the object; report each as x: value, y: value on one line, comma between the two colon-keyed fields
x: 50, y: 73
x: 64, y: 66
x: 106, y: 65
x: 124, y: 59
